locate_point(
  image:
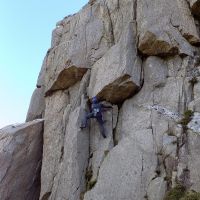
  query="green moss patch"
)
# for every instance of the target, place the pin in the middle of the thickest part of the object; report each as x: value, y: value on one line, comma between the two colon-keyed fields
x: 191, y: 195
x: 175, y: 193
x: 186, y: 117
x: 179, y: 193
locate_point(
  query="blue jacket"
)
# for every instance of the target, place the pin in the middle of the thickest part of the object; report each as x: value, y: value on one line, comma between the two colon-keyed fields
x: 97, y: 108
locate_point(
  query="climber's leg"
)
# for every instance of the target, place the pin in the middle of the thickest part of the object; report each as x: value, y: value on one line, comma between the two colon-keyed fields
x: 85, y: 120
x: 101, y: 126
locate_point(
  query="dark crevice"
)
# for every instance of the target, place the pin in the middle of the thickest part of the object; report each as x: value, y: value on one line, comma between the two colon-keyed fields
x: 115, y: 141
x: 46, y: 196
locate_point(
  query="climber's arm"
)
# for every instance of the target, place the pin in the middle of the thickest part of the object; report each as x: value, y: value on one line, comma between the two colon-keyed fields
x: 105, y: 106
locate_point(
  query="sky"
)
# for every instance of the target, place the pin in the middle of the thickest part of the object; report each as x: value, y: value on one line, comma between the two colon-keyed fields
x: 25, y: 37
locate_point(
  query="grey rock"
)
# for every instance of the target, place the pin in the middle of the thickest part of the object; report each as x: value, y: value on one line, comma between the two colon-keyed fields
x: 53, y: 139
x: 65, y: 150
x: 164, y: 27
x: 120, y: 13
x: 157, y: 189
x: 143, y: 131
x: 41, y: 76
x: 188, y: 170
x: 194, y: 124
x: 70, y: 179
x: 124, y: 178
x: 20, y: 160
x: 85, y: 34
x: 115, y: 78
x: 100, y: 147
x: 95, y: 53
x: 37, y: 105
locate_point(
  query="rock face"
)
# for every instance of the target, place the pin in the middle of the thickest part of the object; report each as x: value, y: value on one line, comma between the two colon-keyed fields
x: 166, y: 27
x: 114, y: 78
x: 142, y: 58
x: 20, y: 160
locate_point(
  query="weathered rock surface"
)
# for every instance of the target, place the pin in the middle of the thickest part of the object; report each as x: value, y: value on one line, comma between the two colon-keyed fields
x: 142, y: 57
x: 53, y: 139
x: 100, y: 147
x: 195, y: 6
x: 114, y: 78
x: 62, y: 134
x: 165, y: 27
x: 122, y: 178
x: 70, y: 179
x: 37, y: 105
x: 20, y: 161
x: 145, y: 138
x: 78, y: 41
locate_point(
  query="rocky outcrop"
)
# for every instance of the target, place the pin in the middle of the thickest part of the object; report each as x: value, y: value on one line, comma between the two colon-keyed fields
x: 114, y: 78
x: 195, y: 5
x: 166, y: 27
x: 148, y: 130
x: 37, y: 105
x: 142, y: 58
x: 78, y: 41
x: 20, y: 160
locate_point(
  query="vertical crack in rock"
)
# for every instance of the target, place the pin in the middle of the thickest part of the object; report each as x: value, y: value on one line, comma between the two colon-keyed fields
x: 110, y: 24
x: 121, y: 79
x: 141, y: 56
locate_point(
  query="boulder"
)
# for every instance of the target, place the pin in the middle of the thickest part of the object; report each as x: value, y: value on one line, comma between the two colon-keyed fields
x: 20, y: 160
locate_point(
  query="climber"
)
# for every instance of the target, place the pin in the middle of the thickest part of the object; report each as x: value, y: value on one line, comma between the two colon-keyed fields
x: 96, y: 112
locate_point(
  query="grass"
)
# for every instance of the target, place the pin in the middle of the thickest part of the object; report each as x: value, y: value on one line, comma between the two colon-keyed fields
x: 175, y: 193
x: 91, y: 184
x: 88, y: 178
x: 179, y: 193
x: 186, y: 117
x: 191, y: 195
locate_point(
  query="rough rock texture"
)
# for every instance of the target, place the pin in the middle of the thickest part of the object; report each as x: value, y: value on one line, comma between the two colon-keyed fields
x: 195, y: 5
x: 165, y: 27
x: 20, y: 161
x: 37, y: 105
x: 86, y: 34
x: 114, y: 78
x: 95, y: 52
x: 141, y: 57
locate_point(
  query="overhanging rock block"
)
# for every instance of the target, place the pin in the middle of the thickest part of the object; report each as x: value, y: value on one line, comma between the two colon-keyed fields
x: 84, y: 39
x: 116, y: 76
x: 66, y: 78
x: 195, y: 7
x: 166, y: 28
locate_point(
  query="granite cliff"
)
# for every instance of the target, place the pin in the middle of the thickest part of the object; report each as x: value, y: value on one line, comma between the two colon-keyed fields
x: 143, y: 58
